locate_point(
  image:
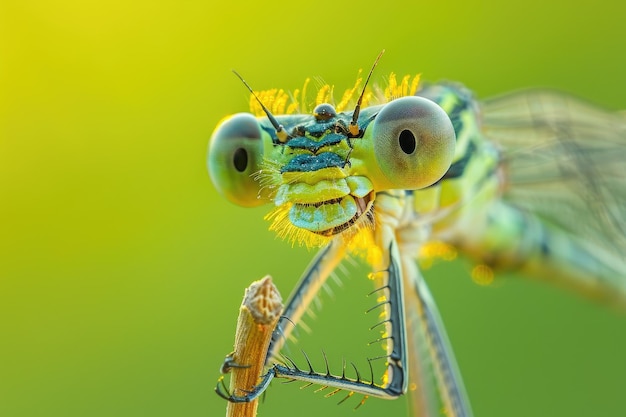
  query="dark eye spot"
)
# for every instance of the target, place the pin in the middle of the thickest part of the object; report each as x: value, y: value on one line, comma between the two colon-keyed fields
x: 240, y: 159
x: 407, y: 141
x: 324, y: 112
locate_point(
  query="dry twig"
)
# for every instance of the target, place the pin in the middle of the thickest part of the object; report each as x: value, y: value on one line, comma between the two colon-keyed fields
x: 258, y: 315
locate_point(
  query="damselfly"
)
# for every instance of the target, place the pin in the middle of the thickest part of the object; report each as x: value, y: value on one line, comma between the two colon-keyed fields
x: 532, y: 180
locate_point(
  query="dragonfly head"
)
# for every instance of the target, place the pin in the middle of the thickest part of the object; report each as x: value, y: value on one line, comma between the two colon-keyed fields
x: 322, y: 170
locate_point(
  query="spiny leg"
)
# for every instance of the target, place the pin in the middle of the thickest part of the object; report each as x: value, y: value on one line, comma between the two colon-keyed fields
x: 304, y: 293
x: 299, y: 301
x: 315, y: 275
x: 430, y: 346
x: 397, y: 351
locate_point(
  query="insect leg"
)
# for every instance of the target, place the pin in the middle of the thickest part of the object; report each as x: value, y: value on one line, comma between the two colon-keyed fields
x: 396, y: 377
x: 304, y: 293
x: 430, y: 344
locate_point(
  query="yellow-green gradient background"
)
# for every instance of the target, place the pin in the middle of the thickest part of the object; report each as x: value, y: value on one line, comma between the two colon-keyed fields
x: 122, y: 269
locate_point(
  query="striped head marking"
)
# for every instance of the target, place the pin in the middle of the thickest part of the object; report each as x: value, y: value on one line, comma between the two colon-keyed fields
x: 322, y: 170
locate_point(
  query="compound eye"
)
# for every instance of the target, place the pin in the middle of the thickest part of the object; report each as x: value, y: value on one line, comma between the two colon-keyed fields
x: 414, y: 142
x: 235, y: 155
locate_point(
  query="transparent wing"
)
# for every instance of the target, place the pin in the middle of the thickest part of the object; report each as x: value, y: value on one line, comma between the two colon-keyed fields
x: 565, y: 161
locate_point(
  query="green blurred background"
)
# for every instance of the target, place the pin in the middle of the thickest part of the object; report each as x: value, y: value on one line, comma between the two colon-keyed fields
x: 122, y: 270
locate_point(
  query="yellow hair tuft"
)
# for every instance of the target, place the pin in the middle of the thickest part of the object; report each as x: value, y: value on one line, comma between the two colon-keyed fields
x: 406, y: 87
x: 433, y: 251
x: 294, y: 235
x: 279, y: 102
x: 348, y: 95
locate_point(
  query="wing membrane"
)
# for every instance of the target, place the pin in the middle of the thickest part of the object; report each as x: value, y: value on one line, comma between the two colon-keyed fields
x: 565, y: 161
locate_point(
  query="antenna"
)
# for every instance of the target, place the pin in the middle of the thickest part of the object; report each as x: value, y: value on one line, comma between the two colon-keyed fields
x: 354, y: 127
x: 280, y: 131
